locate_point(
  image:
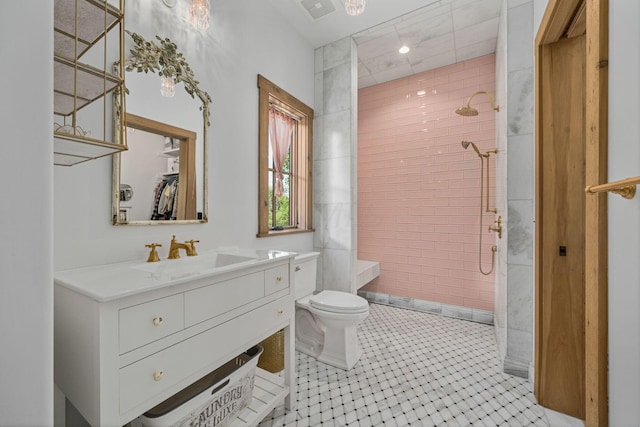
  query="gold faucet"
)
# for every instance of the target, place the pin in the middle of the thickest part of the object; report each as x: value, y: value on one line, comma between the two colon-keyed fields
x: 497, y: 228
x: 188, y: 246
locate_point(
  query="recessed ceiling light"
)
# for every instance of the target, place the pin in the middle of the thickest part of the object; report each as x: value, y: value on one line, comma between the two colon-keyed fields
x: 404, y: 49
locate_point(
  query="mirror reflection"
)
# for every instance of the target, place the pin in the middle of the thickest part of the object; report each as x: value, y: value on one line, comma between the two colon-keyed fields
x: 157, y: 176
x: 162, y: 177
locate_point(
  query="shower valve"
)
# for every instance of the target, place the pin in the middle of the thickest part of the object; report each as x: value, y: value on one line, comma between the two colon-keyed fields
x: 497, y: 228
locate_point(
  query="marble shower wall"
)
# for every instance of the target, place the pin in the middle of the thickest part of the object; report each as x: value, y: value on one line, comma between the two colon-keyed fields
x: 515, y: 172
x: 335, y: 174
x: 500, y: 290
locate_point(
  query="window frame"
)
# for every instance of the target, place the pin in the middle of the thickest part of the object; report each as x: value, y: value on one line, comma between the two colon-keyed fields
x: 301, y: 198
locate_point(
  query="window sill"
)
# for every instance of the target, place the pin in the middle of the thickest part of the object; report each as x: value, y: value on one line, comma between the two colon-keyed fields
x: 272, y: 233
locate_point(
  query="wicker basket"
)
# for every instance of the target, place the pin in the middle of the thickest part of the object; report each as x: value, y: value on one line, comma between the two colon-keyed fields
x: 272, y: 358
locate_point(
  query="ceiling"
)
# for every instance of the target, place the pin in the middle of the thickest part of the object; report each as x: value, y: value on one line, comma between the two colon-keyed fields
x: 438, y: 32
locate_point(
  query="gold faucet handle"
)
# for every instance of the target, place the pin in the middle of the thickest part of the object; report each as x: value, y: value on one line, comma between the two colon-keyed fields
x: 192, y: 250
x: 153, y: 255
x: 498, y: 227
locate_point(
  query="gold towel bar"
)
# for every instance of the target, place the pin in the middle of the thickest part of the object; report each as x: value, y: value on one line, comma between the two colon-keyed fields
x: 625, y: 187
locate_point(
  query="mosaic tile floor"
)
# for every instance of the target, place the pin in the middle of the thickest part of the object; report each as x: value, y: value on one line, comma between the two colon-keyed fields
x: 418, y: 369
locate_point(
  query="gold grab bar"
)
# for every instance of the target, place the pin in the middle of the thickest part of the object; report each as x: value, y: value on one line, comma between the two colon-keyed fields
x: 625, y: 187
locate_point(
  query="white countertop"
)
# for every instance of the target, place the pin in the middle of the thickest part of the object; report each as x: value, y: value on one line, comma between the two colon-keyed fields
x: 113, y: 281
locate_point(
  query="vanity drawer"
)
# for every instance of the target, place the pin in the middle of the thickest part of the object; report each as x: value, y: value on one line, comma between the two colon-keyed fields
x: 210, y: 301
x: 145, y: 323
x: 276, y: 279
x: 154, y: 378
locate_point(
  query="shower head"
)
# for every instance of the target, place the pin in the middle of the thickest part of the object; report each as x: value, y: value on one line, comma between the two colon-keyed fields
x: 468, y: 110
x: 465, y: 145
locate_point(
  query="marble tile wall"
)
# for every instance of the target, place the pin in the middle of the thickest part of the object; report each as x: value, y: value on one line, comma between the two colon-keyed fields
x: 419, y: 190
x: 335, y: 165
x: 500, y: 300
x: 515, y: 135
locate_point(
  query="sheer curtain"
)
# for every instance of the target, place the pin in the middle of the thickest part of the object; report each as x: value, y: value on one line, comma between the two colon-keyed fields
x: 280, y: 132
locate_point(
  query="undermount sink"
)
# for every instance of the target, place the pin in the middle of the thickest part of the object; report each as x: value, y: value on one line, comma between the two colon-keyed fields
x: 227, y: 259
x: 186, y: 266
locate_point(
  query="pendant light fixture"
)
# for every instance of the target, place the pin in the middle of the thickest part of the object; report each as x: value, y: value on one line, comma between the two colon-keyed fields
x: 354, y: 7
x: 167, y: 86
x: 198, y: 14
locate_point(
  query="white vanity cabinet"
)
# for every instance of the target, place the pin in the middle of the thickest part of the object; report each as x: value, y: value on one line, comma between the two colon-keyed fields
x: 126, y: 339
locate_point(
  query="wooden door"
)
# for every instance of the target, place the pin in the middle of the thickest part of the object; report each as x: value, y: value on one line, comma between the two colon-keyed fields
x: 571, y: 108
x: 562, y: 182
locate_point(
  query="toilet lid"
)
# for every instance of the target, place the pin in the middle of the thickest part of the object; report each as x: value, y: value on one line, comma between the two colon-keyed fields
x: 339, y: 302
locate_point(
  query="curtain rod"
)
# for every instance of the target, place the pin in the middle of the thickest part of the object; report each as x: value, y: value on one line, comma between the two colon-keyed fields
x: 283, y: 111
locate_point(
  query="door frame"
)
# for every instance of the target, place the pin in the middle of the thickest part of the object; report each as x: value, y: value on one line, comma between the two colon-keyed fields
x: 562, y: 17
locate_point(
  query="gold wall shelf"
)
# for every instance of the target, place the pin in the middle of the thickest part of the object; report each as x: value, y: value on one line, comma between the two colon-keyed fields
x: 91, y: 25
x: 69, y: 149
x: 625, y: 187
x: 79, y: 25
x: 86, y: 85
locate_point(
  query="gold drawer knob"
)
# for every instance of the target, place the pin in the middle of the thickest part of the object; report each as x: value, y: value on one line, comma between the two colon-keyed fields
x: 279, y: 279
x: 157, y: 375
x: 280, y: 312
x: 157, y: 321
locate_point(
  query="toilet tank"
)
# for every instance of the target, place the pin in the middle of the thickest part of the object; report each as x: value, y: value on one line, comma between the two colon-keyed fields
x: 305, y: 265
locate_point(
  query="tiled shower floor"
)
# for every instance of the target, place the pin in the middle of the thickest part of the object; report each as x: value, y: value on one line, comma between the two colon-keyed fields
x: 418, y: 369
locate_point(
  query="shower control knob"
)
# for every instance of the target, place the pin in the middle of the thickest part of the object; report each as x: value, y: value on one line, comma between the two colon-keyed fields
x: 498, y: 227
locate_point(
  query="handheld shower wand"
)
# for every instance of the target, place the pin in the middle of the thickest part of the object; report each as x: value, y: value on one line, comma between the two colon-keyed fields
x: 498, y: 228
x: 465, y: 145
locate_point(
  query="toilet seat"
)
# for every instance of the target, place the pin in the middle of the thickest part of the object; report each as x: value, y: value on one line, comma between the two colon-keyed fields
x: 339, y: 302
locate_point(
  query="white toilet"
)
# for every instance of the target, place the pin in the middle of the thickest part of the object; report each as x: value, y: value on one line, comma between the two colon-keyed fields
x: 326, y: 322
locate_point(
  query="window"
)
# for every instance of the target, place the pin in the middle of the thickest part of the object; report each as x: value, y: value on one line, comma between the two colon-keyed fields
x: 285, y: 138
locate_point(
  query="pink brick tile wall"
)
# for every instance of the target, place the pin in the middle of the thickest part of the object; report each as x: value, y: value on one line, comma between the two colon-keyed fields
x: 419, y: 190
